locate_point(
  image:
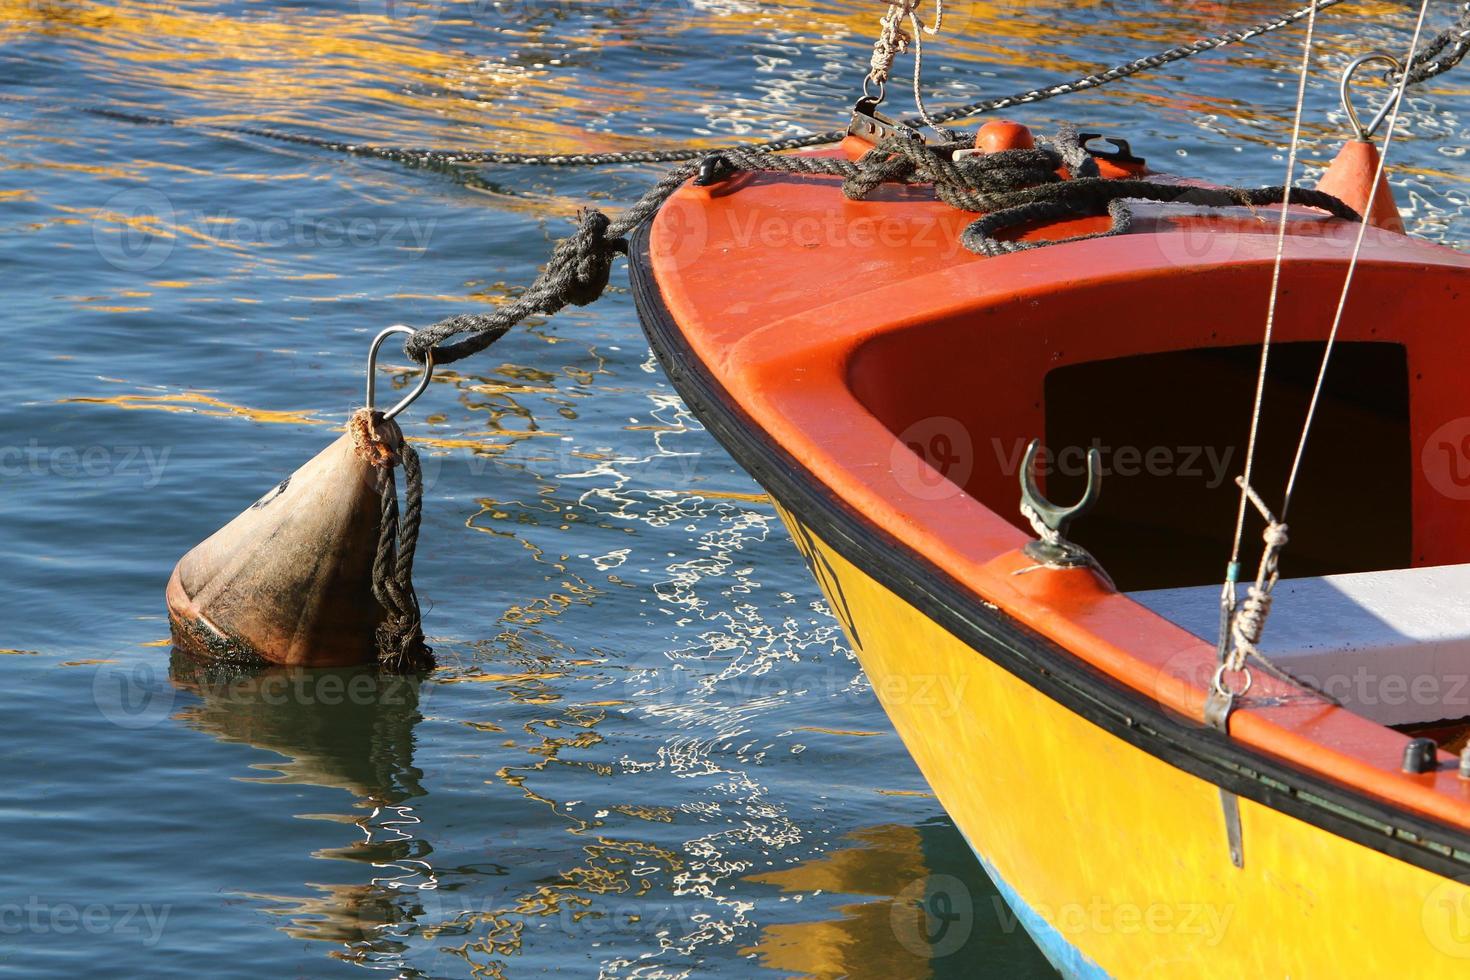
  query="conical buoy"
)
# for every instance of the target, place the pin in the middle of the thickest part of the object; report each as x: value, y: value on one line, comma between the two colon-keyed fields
x: 319, y: 571
x: 1350, y: 180
x: 290, y: 581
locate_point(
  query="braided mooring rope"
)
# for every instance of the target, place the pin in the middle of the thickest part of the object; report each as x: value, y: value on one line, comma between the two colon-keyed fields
x: 400, y: 636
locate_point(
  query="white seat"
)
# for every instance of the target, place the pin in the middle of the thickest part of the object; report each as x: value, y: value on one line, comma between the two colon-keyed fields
x: 1392, y: 646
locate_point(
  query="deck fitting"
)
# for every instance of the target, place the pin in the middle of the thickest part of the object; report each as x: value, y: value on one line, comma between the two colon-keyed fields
x: 1420, y: 756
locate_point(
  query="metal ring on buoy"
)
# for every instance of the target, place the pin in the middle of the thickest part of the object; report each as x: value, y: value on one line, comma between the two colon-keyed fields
x: 372, y: 373
x: 1344, y: 89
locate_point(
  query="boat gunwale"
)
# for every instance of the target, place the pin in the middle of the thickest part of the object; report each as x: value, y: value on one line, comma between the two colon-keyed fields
x: 1047, y: 666
x: 791, y: 354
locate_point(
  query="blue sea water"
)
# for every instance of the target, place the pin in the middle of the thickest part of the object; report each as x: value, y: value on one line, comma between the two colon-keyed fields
x: 647, y: 752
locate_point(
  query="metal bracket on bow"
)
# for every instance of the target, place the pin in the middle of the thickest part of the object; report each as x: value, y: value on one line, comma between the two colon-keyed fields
x: 869, y: 124
x: 1052, y: 521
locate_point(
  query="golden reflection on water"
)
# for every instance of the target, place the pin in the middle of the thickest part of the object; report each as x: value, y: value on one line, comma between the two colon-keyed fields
x: 285, y: 66
x: 610, y: 867
x: 539, y: 87
x: 198, y: 403
x: 882, y: 932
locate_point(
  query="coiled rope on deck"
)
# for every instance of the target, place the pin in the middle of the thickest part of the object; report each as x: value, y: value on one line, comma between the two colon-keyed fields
x: 1015, y: 187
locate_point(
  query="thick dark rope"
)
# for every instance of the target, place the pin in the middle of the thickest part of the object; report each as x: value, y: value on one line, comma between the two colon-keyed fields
x: 1096, y: 196
x: 1014, y: 187
x: 1020, y: 187
x: 431, y: 157
x: 1443, y: 51
x: 576, y: 276
x: 400, y: 636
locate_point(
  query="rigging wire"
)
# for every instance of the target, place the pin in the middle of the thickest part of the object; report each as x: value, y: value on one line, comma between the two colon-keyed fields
x: 919, y: 31
x: 1233, y: 570
x: 1347, y: 285
x: 1241, y: 628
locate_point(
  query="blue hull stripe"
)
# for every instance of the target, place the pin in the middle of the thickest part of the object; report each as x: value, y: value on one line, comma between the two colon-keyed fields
x: 1068, y: 960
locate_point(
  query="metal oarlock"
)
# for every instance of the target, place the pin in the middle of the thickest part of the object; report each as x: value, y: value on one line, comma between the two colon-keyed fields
x: 1052, y: 521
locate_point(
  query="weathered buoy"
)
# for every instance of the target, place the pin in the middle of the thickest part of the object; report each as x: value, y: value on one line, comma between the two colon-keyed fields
x: 318, y: 572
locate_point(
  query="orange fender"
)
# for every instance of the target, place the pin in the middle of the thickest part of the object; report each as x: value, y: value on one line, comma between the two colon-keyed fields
x: 1350, y: 179
x: 1002, y: 134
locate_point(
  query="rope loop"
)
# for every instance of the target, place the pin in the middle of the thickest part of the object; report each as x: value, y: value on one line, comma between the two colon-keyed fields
x: 400, y: 636
x: 1247, y: 621
x: 577, y: 274
x: 581, y: 265
x: 892, y: 40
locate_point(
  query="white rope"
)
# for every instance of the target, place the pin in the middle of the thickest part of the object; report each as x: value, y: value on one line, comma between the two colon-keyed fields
x: 919, y: 32
x: 1233, y: 571
x: 1347, y: 284
x: 893, y: 40
x: 1241, y: 629
x: 1247, y: 623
